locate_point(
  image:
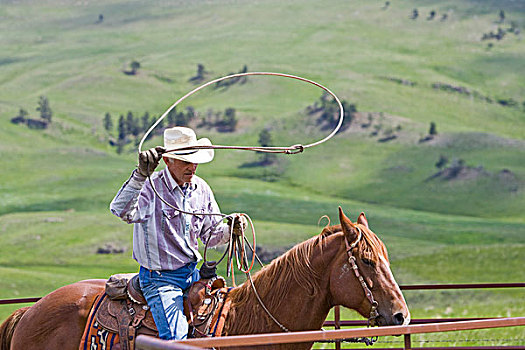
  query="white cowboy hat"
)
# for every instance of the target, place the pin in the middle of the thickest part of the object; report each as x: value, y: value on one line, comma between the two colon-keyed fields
x: 179, y: 137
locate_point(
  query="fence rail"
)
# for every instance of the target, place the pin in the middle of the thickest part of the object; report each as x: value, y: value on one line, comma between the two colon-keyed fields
x: 403, y: 287
x: 149, y: 343
x: 19, y: 301
x: 461, y: 286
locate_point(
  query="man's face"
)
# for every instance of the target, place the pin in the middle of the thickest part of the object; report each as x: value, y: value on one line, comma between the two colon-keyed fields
x: 181, y: 171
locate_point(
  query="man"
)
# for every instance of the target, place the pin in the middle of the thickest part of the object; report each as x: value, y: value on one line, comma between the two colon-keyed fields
x: 165, y: 239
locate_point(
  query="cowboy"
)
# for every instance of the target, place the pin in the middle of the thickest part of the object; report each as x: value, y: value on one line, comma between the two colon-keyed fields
x: 165, y: 239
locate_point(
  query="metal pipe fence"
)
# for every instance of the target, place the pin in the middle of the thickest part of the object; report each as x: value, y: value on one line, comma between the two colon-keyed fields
x: 403, y: 287
x: 145, y: 342
x: 337, y: 323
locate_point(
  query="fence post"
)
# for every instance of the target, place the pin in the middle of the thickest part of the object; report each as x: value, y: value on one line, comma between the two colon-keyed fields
x: 408, y: 342
x: 337, y: 325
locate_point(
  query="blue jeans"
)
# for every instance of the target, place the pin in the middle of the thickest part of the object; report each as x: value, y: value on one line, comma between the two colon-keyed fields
x: 164, y: 291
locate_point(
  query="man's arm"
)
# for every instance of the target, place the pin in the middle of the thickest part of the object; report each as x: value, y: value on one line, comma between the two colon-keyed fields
x: 131, y: 204
x: 213, y: 228
x: 125, y: 205
x: 216, y: 230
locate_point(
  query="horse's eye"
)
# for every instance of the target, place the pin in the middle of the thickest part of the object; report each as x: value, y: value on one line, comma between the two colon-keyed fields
x: 369, y: 262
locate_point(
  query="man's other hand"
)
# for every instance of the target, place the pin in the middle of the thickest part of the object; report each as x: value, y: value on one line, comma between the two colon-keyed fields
x: 239, y: 223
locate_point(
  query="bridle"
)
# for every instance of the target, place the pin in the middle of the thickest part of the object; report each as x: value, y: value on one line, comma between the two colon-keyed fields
x: 368, y: 293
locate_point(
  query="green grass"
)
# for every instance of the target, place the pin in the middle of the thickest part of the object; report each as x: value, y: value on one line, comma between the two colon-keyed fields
x: 57, y: 184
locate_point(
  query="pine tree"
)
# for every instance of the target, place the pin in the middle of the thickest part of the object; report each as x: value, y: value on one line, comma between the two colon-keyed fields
x: 433, y: 130
x: 190, y: 114
x: 108, y: 122
x: 265, y: 140
x: 145, y: 122
x: 441, y: 162
x: 22, y: 113
x: 230, y: 121
x: 45, y: 111
x: 172, y: 117
x: 122, y: 132
x: 135, y: 65
x: 160, y: 126
x: 200, y: 71
x: 181, y: 119
x: 131, y: 124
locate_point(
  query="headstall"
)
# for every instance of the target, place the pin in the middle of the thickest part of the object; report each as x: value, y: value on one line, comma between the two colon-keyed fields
x: 368, y: 293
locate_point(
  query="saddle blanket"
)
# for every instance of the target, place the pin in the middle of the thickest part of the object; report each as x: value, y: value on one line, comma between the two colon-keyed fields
x: 95, y: 337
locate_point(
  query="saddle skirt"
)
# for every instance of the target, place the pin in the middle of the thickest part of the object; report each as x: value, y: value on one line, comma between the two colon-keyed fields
x: 120, y: 313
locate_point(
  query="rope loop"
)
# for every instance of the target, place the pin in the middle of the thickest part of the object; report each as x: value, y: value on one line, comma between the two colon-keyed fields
x: 287, y: 150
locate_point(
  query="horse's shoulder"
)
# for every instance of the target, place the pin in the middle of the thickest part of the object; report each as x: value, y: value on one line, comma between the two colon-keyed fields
x: 72, y: 298
x: 82, y: 288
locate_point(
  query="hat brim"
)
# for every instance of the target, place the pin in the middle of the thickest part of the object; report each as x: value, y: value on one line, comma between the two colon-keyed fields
x: 198, y: 156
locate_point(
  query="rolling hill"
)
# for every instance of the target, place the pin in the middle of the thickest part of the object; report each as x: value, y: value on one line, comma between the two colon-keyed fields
x: 461, y: 221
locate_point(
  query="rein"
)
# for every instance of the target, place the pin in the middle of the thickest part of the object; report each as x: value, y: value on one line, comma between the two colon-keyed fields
x: 238, y: 251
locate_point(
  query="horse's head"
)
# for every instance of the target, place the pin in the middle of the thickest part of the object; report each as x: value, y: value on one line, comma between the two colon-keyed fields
x: 366, y: 256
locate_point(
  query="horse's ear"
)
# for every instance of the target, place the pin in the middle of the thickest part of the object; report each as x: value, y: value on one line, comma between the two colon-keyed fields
x: 362, y: 220
x: 347, y: 226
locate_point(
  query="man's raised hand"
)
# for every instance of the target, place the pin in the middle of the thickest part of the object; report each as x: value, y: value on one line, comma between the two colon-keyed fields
x: 149, y: 160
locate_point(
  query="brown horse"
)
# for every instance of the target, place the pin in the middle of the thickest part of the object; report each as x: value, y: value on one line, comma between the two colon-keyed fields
x: 299, y: 289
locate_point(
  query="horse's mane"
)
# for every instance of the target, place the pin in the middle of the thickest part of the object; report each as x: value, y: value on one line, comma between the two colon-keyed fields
x: 273, y: 281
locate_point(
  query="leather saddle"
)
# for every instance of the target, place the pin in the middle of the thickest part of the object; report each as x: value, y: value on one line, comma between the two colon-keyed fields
x: 125, y: 312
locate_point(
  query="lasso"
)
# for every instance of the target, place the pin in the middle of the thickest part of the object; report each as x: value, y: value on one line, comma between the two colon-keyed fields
x: 288, y: 150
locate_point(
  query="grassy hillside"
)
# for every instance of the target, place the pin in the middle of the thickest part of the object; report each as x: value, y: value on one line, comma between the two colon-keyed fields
x: 462, y: 222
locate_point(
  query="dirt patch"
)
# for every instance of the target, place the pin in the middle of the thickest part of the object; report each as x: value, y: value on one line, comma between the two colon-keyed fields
x: 111, y: 248
x: 460, y: 172
x: 468, y: 141
x: 507, y: 176
x: 508, y: 180
x: 504, y: 180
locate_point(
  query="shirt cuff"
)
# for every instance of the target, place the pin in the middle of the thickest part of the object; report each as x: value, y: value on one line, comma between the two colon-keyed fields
x: 136, y: 180
x: 225, y: 234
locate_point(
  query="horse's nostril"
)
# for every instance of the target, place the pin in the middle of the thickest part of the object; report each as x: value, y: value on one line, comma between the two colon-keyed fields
x: 399, y: 318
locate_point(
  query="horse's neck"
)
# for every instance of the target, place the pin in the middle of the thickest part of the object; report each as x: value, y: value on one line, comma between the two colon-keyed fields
x: 296, y: 295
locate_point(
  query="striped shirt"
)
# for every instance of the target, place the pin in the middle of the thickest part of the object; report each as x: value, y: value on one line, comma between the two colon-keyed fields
x: 164, y: 238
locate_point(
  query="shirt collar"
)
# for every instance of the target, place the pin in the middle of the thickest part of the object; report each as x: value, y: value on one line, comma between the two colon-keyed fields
x: 172, y: 184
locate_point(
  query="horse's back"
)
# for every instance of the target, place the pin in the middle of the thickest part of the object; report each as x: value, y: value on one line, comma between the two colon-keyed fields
x: 57, y: 320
